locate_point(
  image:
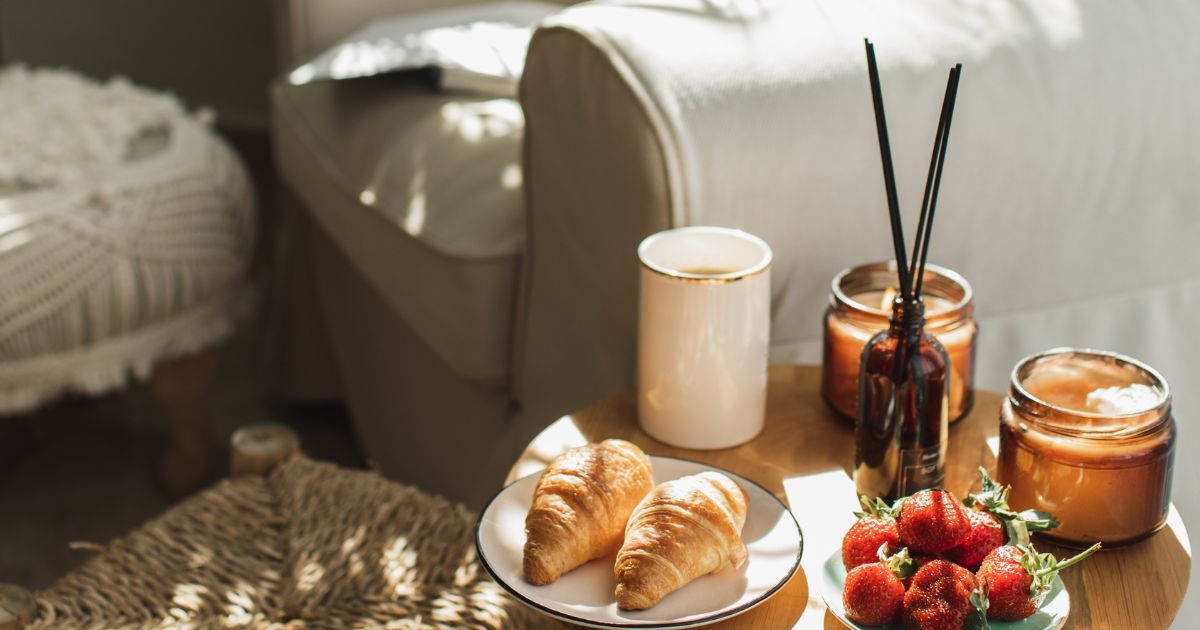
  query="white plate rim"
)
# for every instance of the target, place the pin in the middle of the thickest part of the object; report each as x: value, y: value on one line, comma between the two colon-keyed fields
x: 692, y: 623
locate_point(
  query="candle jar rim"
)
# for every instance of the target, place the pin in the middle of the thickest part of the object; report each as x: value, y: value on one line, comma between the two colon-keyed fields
x: 1087, y: 424
x: 960, y: 309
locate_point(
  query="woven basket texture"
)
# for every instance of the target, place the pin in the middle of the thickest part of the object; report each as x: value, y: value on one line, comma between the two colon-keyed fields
x: 310, y: 546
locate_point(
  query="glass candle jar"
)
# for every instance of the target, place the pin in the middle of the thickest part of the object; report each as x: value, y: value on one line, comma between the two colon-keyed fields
x: 1088, y: 436
x: 859, y: 307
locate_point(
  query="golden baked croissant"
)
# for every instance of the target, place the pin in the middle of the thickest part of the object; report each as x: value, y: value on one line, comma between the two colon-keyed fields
x: 581, y: 505
x: 682, y: 530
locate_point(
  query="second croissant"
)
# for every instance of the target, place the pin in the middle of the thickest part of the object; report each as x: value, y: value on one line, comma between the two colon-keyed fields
x: 682, y: 530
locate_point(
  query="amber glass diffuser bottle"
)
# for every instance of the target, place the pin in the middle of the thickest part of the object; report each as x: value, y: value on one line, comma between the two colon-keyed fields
x: 903, y: 408
x: 902, y: 420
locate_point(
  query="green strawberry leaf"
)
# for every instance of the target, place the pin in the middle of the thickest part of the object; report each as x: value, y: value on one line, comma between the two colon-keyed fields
x: 1038, y: 521
x: 874, y: 507
x: 993, y: 498
x: 1017, y: 532
x: 1032, y: 562
x: 1044, y: 567
x: 979, y: 599
x: 900, y: 564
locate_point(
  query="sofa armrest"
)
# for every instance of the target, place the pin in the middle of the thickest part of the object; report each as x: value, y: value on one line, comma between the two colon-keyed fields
x: 595, y: 184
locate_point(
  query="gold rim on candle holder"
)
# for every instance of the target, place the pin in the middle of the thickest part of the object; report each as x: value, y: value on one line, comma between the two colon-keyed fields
x: 734, y: 276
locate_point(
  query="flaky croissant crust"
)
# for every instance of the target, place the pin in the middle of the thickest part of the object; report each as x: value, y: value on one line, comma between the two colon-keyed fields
x: 581, y: 506
x: 682, y: 530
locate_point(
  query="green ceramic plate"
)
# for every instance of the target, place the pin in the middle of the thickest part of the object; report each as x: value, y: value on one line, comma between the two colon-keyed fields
x: 1051, y: 616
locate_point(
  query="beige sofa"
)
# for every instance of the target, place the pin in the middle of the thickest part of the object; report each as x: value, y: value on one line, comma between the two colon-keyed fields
x: 1069, y: 201
x: 401, y: 260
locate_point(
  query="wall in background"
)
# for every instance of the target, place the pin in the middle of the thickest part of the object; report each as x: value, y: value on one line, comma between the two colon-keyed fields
x: 218, y: 53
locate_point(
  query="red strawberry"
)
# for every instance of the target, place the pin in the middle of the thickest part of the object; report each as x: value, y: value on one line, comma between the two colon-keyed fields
x: 875, y: 526
x: 986, y: 534
x: 942, y: 596
x: 932, y: 521
x: 1017, y: 579
x: 920, y: 560
x: 993, y: 499
x: 874, y: 593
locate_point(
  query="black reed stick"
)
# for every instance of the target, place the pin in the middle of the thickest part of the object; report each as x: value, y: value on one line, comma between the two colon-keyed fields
x: 933, y: 167
x: 948, y: 113
x: 889, y: 175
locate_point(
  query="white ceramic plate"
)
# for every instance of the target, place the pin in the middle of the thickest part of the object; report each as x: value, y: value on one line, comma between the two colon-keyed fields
x: 1051, y: 615
x: 585, y: 596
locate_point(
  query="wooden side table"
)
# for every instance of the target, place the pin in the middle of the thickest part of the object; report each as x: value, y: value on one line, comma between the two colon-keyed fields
x: 804, y: 456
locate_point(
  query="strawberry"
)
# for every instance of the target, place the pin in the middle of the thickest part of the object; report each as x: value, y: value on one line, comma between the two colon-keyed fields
x: 1017, y: 579
x: 874, y: 593
x: 986, y: 534
x: 943, y: 596
x: 920, y: 560
x: 993, y: 499
x: 932, y: 521
x: 875, y: 526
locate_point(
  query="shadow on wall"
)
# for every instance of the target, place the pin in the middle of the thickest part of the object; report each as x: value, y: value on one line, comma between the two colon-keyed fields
x: 218, y: 53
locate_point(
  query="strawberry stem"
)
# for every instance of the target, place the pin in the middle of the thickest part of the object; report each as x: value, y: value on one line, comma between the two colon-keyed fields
x: 1059, y: 566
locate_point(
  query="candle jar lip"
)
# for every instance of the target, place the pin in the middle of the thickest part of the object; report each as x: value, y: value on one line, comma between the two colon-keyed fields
x: 1081, y: 423
x: 937, y: 278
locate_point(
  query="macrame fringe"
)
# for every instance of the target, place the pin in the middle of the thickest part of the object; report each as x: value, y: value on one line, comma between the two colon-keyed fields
x: 114, y: 363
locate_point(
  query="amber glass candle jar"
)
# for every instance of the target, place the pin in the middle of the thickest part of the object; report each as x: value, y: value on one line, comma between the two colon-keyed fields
x: 1088, y: 436
x: 859, y: 307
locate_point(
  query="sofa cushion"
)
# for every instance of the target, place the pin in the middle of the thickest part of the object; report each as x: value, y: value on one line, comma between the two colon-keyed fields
x: 422, y: 191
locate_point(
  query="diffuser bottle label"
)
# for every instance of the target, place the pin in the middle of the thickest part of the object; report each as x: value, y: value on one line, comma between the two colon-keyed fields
x: 921, y: 469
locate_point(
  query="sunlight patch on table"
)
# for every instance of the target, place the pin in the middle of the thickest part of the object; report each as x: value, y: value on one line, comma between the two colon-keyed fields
x: 824, y: 504
x: 558, y: 437
x: 1175, y: 524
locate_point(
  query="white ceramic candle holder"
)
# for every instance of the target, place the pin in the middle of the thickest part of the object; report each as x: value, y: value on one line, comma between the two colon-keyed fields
x: 703, y: 335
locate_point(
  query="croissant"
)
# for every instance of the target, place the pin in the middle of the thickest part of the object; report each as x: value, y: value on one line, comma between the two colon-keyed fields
x: 682, y: 530
x: 581, y: 505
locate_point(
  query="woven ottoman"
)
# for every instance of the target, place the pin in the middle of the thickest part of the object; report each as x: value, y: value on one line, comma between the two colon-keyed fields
x: 288, y: 543
x: 126, y: 227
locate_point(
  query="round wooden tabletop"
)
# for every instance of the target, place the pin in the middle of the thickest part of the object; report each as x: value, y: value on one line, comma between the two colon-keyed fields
x: 804, y: 456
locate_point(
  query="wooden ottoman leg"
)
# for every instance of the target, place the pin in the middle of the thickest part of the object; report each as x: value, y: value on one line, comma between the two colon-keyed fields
x: 255, y: 449
x: 180, y: 387
x: 16, y: 607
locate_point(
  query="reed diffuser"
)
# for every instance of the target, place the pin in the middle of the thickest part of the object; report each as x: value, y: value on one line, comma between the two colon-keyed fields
x: 903, y: 380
